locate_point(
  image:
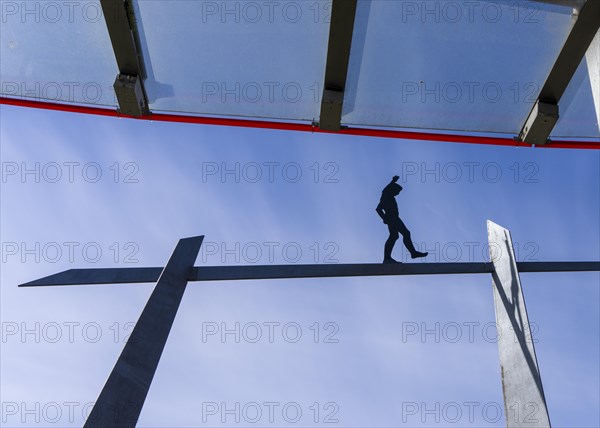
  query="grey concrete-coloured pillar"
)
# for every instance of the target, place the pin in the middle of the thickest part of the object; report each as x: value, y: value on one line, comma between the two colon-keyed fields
x: 593, y: 63
x: 524, y: 401
x: 121, y: 400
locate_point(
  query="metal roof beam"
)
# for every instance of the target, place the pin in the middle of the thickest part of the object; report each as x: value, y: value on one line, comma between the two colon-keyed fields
x: 545, y: 112
x: 338, y: 56
x: 129, y: 86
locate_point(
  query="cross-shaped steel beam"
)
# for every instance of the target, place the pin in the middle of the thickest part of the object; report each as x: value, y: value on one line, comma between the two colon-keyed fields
x: 123, y: 395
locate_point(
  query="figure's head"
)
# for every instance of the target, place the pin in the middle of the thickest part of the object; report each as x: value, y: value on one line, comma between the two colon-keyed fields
x: 393, y: 189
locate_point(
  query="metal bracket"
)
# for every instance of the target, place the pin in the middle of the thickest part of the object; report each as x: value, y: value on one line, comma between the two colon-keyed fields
x: 331, y: 109
x: 540, y: 123
x: 130, y: 95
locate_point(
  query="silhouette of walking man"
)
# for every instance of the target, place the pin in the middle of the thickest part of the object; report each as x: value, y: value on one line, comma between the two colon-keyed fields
x: 388, y: 211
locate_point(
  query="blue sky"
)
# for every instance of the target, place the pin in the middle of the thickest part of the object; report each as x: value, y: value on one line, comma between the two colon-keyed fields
x: 377, y: 368
x: 81, y: 191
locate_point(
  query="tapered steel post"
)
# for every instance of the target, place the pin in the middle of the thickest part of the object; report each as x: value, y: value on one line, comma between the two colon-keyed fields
x: 524, y: 401
x: 121, y: 400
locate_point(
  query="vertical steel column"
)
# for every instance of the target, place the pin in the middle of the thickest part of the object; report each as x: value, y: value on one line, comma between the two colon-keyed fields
x: 123, y: 395
x: 593, y: 63
x: 524, y: 401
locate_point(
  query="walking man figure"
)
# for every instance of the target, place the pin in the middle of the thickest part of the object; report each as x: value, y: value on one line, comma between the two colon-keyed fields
x: 388, y: 211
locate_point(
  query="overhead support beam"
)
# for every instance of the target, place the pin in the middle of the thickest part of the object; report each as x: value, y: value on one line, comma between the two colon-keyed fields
x: 336, y: 69
x: 228, y: 273
x: 545, y: 112
x: 129, y: 85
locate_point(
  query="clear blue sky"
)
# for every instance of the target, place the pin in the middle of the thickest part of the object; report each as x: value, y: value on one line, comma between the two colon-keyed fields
x: 82, y: 191
x: 376, y: 364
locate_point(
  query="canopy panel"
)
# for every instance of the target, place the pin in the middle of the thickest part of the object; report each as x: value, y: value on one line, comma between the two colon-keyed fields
x: 436, y: 65
x: 473, y: 68
x: 56, y: 51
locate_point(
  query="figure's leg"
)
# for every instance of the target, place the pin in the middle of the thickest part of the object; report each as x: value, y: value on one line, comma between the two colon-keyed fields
x: 389, y: 244
x: 406, y: 239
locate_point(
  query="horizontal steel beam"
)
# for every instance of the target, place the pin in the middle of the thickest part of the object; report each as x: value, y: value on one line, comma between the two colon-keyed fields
x: 232, y: 273
x: 228, y: 273
x: 544, y: 114
x: 575, y: 4
x: 99, y: 276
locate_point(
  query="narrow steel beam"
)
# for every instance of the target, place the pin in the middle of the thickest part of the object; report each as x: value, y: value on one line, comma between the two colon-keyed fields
x: 229, y: 273
x: 121, y: 400
x: 544, y: 114
x: 336, y: 69
x: 129, y: 86
x: 524, y: 400
x: 558, y: 267
x: 99, y: 276
x: 575, y: 4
